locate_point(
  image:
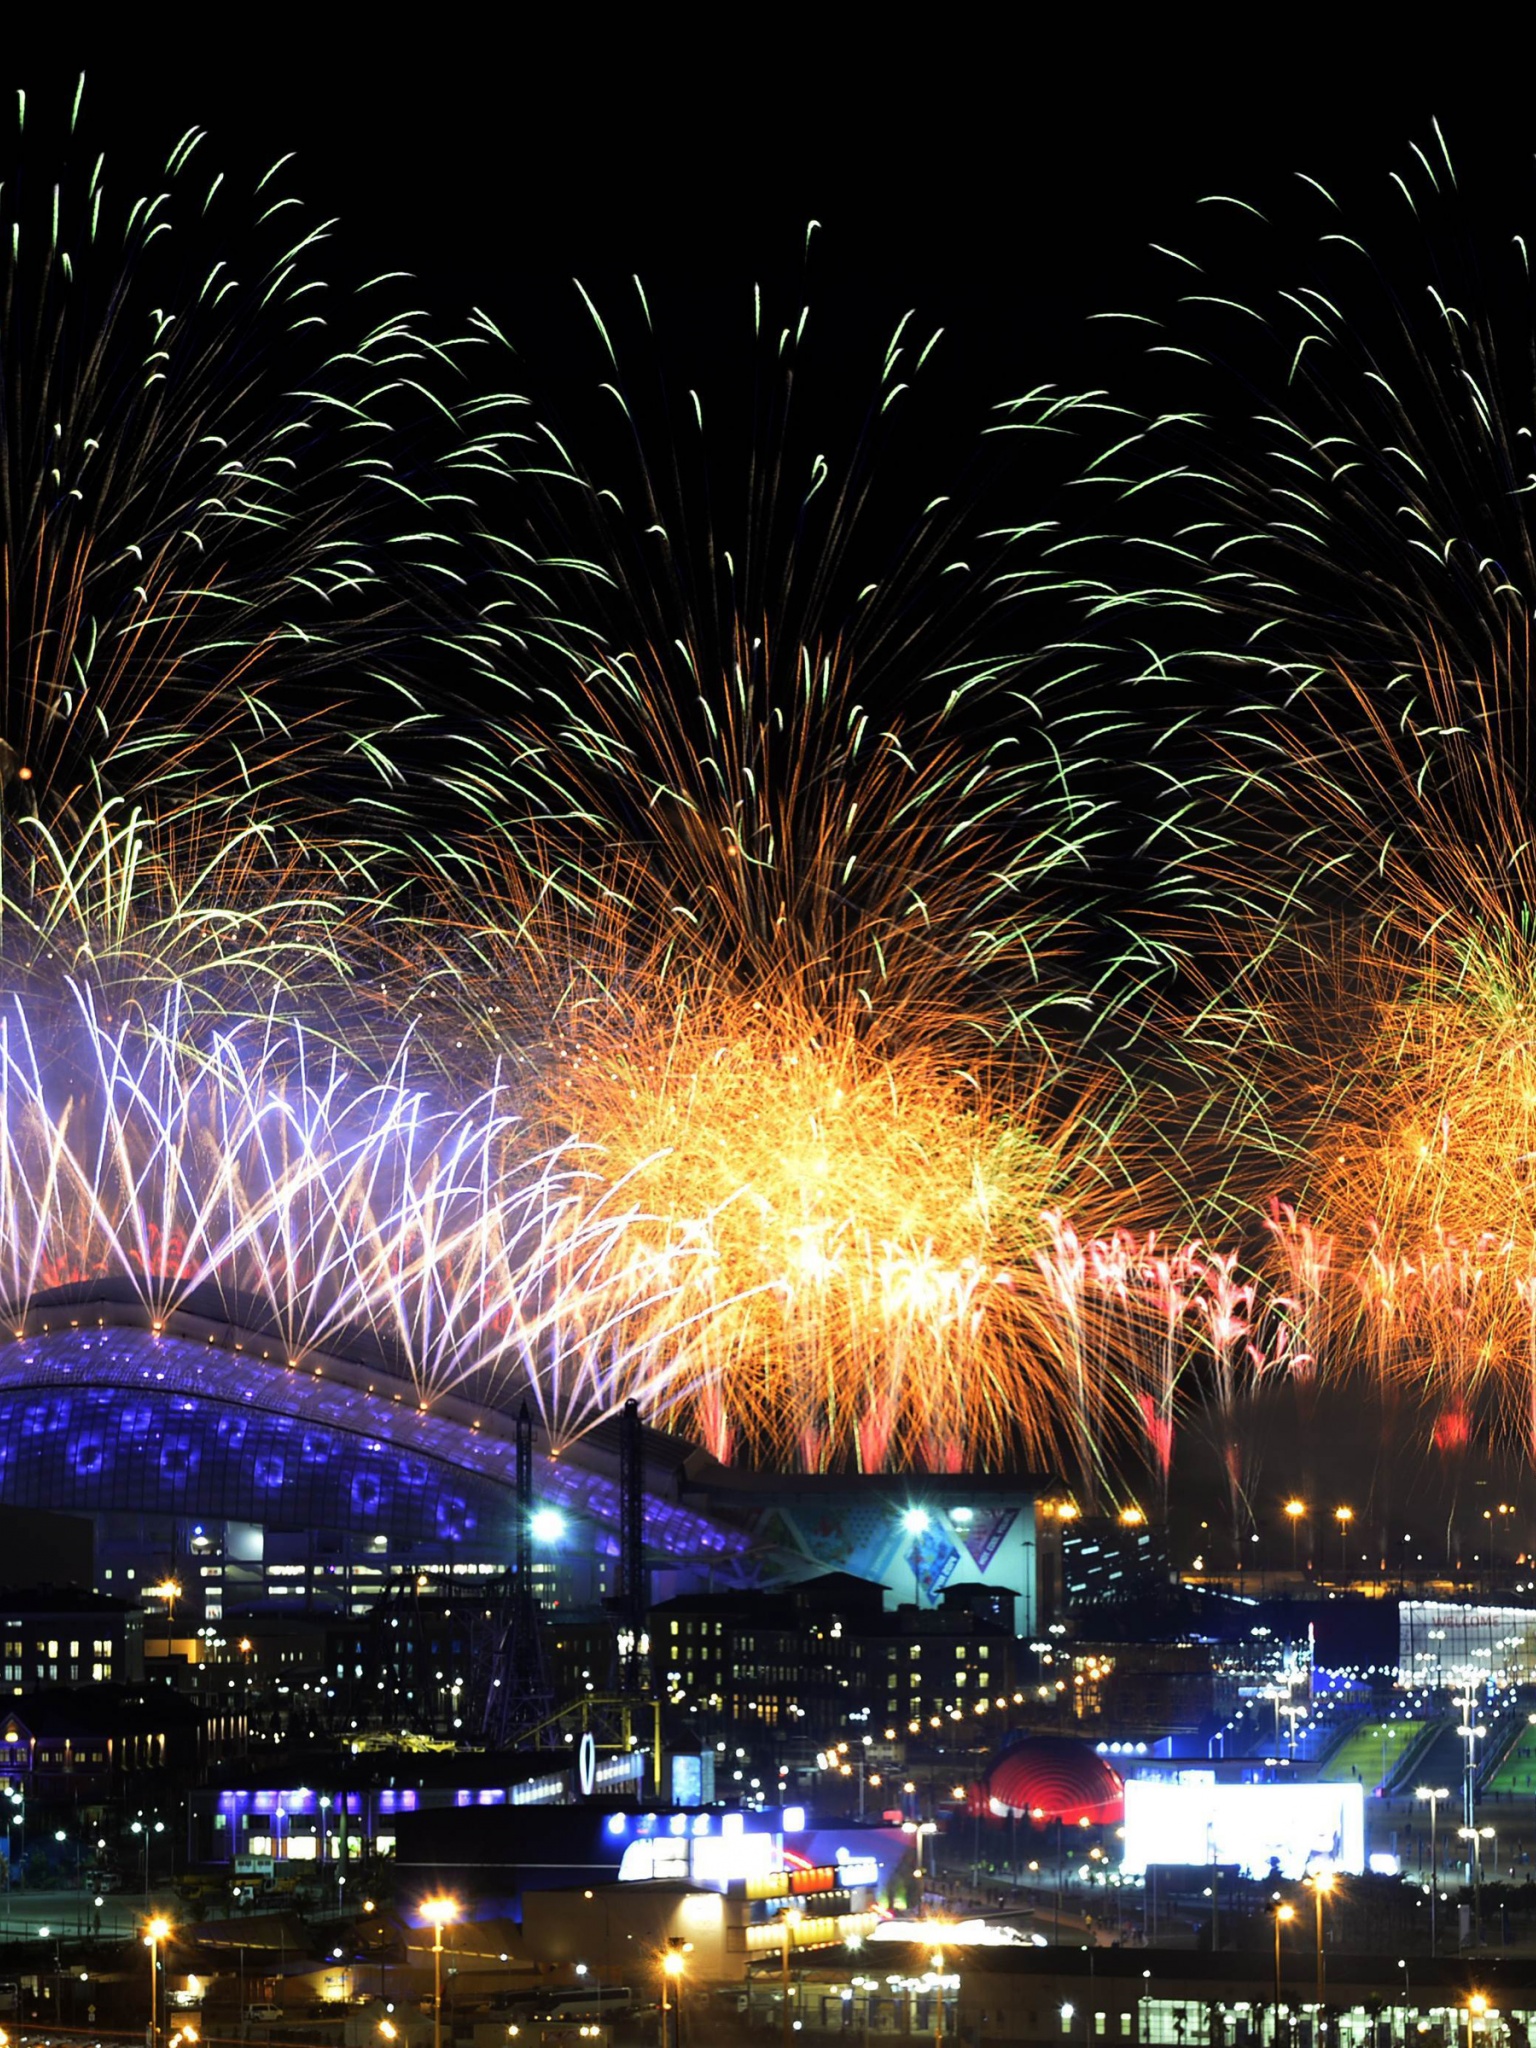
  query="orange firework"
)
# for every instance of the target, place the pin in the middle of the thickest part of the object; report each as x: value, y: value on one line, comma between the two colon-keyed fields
x: 861, y: 1224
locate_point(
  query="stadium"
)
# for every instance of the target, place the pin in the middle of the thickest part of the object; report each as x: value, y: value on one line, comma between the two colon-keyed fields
x: 201, y: 1456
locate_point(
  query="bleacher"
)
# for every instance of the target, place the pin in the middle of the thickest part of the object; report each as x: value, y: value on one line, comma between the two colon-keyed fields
x: 1371, y: 1751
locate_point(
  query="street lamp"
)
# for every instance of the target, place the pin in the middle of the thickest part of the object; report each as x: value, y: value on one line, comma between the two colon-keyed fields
x: 917, y: 1829
x: 672, y: 1967
x: 936, y: 1969
x: 1474, y: 1839
x: 144, y: 1829
x: 155, y: 1932
x: 1322, y: 1888
x: 789, y: 1920
x: 1477, y: 2005
x: 439, y: 1911
x: 1343, y: 1516
x: 1284, y: 1915
x: 1295, y: 1510
x: 1434, y: 1794
x: 915, y: 1522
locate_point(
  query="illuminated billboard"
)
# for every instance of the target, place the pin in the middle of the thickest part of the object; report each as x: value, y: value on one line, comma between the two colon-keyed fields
x: 1263, y: 1829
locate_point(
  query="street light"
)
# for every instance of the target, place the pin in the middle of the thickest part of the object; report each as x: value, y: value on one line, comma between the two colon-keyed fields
x: 439, y: 1911
x: 1284, y: 1915
x: 789, y: 1920
x: 1434, y: 1794
x: 155, y: 1932
x: 917, y: 1829
x: 1343, y: 1516
x: 672, y: 1966
x: 1474, y: 1839
x: 1322, y: 1888
x: 145, y: 1829
x: 1295, y: 1510
x: 547, y: 1525
x: 936, y: 1970
x: 1477, y: 2005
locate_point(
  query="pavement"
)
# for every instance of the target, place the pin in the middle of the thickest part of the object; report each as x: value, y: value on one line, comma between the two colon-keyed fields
x: 73, y: 1915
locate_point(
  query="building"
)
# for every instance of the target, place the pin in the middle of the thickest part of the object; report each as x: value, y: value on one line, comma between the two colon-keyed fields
x: 52, y: 1636
x: 203, y: 1457
x: 1110, y: 1563
x: 784, y: 1673
x: 69, y: 1749
x: 922, y: 1532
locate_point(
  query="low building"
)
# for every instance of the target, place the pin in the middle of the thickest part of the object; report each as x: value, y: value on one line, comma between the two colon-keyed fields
x: 66, y: 1635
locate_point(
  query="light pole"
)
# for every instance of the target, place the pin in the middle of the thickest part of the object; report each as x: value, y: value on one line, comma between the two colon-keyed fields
x: 1474, y: 1839
x: 917, y: 1829
x: 789, y: 1920
x: 1294, y: 1511
x: 1434, y: 1794
x: 936, y: 1965
x: 1471, y: 1733
x: 155, y: 1932
x: 915, y: 1522
x: 1343, y: 1516
x: 1477, y: 2005
x: 1322, y: 1888
x: 672, y: 1967
x: 439, y: 1911
x: 1284, y: 1915
x: 143, y: 1829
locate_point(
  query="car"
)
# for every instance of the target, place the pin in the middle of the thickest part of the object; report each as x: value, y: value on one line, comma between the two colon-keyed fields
x: 264, y: 2012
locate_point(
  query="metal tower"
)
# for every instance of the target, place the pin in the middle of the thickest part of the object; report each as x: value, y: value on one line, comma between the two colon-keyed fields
x: 634, y: 1591
x: 515, y: 1692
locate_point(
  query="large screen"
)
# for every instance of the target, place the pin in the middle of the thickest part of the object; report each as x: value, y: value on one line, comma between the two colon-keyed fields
x: 1288, y: 1829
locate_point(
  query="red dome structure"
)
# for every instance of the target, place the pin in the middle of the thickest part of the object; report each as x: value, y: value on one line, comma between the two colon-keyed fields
x: 1048, y: 1778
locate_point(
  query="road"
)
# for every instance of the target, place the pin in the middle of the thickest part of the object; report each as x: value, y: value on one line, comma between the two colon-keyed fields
x: 27, y: 1915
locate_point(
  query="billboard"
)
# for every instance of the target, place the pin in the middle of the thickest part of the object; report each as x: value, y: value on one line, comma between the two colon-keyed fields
x: 1263, y: 1829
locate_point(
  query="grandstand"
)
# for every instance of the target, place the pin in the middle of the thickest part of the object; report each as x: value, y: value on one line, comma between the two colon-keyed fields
x: 1372, y: 1751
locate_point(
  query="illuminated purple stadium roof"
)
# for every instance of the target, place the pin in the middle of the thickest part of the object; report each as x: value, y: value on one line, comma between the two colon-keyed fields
x: 107, y: 1417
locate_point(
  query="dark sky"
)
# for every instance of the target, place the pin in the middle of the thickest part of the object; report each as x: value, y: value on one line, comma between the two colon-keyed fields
x: 1001, y: 171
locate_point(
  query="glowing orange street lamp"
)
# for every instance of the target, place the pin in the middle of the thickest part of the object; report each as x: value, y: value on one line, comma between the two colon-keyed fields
x: 673, y: 1964
x: 156, y: 1931
x: 1295, y: 1511
x: 1284, y: 1915
x: 1343, y: 1516
x: 439, y: 1911
x: 1322, y: 1888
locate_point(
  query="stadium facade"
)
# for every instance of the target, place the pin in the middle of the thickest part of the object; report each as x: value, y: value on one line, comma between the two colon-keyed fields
x: 197, y: 1451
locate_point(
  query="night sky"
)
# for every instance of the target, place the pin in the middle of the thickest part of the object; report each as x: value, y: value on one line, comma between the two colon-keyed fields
x: 1003, y: 178
x: 1003, y: 181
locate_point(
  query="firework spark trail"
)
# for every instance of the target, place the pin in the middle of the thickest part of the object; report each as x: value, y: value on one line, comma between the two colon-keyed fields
x: 227, y: 558
x: 320, y: 1205
x: 1316, y: 590
x: 862, y: 1221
